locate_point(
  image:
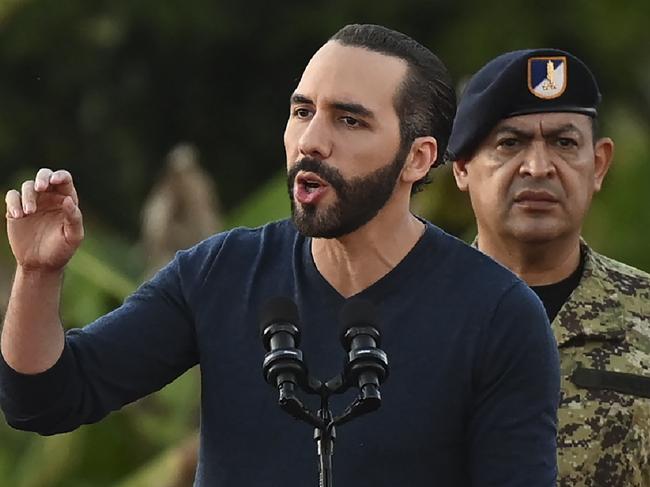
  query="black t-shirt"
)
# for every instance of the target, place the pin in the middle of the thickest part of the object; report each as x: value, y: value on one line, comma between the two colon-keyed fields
x: 554, y: 295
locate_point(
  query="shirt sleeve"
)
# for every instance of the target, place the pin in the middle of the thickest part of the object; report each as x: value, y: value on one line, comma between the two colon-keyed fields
x: 134, y: 350
x: 512, y: 431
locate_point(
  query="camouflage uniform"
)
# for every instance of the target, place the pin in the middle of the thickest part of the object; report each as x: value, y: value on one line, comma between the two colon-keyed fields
x: 603, y: 334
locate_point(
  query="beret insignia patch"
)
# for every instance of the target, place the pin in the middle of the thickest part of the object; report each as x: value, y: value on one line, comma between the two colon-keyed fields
x: 547, y: 76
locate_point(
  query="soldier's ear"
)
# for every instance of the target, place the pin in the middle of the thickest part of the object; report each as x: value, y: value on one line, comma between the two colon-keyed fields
x: 460, y: 174
x: 603, y: 155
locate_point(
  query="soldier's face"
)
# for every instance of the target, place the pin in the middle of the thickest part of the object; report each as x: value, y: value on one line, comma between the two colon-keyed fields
x: 533, y: 177
x: 342, y: 139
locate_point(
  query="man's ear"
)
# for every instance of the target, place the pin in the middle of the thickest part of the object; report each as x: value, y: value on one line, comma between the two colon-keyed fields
x: 460, y: 174
x: 603, y: 155
x: 423, y: 153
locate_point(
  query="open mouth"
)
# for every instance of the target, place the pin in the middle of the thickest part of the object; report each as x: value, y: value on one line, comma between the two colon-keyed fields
x: 310, y: 182
x: 309, y: 188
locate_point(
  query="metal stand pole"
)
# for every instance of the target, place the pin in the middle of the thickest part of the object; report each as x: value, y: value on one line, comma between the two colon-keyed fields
x: 324, y: 437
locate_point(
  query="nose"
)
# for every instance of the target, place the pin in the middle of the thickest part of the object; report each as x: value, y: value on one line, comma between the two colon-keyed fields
x: 538, y: 162
x: 316, y: 138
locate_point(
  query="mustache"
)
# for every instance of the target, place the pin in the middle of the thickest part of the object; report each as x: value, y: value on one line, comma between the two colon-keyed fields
x: 327, y: 173
x: 535, y: 186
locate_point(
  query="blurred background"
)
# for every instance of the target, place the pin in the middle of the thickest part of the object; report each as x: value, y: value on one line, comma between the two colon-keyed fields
x: 170, y: 117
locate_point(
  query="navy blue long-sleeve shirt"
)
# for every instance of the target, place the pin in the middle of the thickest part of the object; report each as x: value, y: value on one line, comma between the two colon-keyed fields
x: 471, y: 398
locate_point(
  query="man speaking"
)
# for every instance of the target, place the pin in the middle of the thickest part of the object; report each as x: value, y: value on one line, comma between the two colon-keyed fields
x: 474, y: 374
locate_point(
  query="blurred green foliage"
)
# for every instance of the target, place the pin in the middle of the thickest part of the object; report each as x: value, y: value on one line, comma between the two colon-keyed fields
x: 106, y: 88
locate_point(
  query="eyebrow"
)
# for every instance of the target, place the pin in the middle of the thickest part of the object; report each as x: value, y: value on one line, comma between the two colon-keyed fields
x: 356, y: 108
x: 568, y: 127
x: 298, y: 98
x: 525, y: 134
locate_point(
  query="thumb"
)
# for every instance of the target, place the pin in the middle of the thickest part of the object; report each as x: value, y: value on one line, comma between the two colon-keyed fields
x: 73, y: 229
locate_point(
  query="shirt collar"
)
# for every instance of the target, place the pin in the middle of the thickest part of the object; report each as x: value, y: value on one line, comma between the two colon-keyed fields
x: 594, y: 309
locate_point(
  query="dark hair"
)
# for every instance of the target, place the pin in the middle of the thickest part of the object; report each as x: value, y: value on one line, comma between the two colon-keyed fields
x: 425, y: 102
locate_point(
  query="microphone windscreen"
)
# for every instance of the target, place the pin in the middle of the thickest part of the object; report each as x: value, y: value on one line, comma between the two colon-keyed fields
x: 357, y: 312
x: 279, y: 309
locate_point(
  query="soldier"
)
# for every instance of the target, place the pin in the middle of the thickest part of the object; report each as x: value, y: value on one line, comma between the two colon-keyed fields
x: 525, y: 147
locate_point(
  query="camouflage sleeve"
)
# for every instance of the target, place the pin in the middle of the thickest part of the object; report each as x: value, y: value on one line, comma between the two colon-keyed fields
x: 604, y: 417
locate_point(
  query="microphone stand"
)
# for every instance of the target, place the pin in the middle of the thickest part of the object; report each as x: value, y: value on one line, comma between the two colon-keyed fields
x: 368, y: 400
x: 366, y: 368
x: 324, y: 437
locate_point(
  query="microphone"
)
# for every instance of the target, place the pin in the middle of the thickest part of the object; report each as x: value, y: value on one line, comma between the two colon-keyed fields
x: 283, y: 365
x: 367, y: 364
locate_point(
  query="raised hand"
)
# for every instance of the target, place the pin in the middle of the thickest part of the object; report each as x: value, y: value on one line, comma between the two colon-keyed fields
x: 44, y: 223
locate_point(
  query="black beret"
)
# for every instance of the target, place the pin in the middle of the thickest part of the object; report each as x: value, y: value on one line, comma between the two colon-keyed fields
x: 517, y: 83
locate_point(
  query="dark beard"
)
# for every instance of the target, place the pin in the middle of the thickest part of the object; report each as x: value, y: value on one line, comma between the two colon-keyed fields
x: 358, y: 200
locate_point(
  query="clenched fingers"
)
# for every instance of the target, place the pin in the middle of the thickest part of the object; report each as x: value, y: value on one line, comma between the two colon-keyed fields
x: 14, y: 205
x: 62, y: 179
x: 25, y: 202
x: 73, y: 228
x: 28, y: 196
x: 42, y: 179
x: 59, y: 181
